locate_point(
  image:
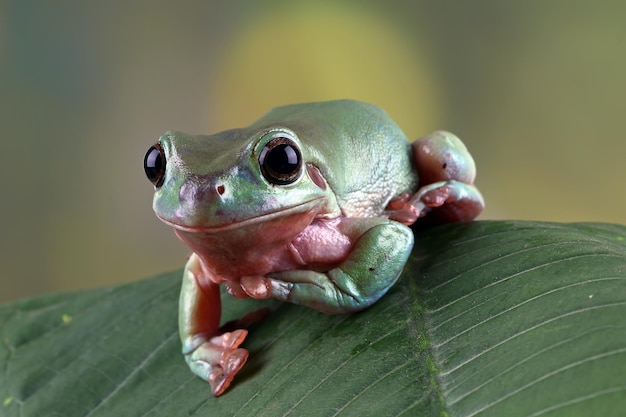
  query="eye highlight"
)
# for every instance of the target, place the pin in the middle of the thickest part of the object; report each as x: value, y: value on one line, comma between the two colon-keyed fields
x: 280, y: 161
x: 154, y: 165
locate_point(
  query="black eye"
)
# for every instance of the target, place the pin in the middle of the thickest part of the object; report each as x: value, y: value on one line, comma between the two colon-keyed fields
x: 154, y: 165
x: 280, y: 161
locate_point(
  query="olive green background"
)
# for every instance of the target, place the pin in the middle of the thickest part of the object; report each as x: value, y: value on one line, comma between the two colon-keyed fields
x: 536, y: 89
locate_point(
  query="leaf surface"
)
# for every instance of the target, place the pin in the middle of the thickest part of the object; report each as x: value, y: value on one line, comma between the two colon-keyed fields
x: 489, y: 318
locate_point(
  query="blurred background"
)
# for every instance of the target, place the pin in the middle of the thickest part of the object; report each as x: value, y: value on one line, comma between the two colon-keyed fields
x: 535, y: 89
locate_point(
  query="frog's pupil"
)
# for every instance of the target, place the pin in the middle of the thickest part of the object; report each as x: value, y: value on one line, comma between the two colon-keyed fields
x: 283, y: 159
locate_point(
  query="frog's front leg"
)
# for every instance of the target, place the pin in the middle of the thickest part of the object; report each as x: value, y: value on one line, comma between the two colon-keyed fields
x: 446, y: 173
x: 212, y: 356
x: 374, y: 263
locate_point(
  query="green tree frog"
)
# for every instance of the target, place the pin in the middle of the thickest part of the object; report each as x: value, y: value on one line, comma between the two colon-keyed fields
x: 310, y: 204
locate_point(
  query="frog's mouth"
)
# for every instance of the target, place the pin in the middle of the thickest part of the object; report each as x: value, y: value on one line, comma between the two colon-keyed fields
x: 311, y: 208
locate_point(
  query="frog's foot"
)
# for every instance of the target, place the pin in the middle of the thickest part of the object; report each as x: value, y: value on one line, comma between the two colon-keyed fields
x: 448, y: 201
x: 218, y: 359
x: 406, y: 209
x: 401, y: 210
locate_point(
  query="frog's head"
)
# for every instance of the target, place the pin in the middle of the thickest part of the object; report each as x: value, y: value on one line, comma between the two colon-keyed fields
x: 234, y: 178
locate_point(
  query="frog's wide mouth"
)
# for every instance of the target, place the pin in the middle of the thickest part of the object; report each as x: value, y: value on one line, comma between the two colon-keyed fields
x: 302, y: 207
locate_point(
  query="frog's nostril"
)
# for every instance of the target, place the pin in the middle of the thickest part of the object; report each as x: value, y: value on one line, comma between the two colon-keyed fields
x: 220, y: 189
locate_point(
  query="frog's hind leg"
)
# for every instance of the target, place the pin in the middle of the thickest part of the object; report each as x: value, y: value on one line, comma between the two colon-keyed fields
x: 446, y: 173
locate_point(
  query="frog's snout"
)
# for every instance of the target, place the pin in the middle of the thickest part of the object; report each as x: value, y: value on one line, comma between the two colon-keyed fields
x: 201, y: 191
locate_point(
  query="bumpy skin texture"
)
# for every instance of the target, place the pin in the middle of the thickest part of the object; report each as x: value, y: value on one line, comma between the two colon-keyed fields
x: 329, y: 231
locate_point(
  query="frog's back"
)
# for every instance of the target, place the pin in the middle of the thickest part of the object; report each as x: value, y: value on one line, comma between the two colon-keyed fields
x: 362, y: 153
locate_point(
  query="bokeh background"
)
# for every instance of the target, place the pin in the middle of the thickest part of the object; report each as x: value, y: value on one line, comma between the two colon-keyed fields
x: 536, y: 89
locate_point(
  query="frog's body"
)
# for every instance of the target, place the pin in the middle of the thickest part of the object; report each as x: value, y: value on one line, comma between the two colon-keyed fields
x: 310, y: 204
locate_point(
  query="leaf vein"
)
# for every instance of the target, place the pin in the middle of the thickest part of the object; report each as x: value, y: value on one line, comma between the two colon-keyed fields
x: 134, y: 372
x: 579, y: 400
x: 494, y: 260
x: 546, y: 376
x: 529, y: 329
x: 336, y: 369
x: 459, y: 398
x: 531, y: 299
x: 373, y: 384
x: 507, y: 278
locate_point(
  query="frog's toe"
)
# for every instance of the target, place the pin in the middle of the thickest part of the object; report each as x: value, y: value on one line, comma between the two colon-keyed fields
x: 436, y: 197
x: 263, y: 287
x: 218, y: 360
x: 230, y: 340
x: 402, y: 210
x: 218, y: 381
x: 233, y: 361
x: 222, y: 375
x: 450, y: 201
x: 256, y: 287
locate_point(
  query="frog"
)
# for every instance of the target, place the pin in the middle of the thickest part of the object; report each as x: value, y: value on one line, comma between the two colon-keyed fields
x: 312, y: 204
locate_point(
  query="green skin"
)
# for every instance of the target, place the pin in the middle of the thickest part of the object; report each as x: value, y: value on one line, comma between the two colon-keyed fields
x: 333, y: 236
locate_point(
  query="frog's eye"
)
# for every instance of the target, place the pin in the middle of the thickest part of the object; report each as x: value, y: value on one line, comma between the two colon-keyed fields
x: 154, y: 165
x: 281, y: 162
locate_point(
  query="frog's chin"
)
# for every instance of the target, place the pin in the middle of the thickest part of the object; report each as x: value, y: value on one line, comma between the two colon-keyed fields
x: 312, y: 208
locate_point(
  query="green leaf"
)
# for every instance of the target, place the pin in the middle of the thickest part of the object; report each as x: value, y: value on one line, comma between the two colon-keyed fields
x: 489, y: 319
